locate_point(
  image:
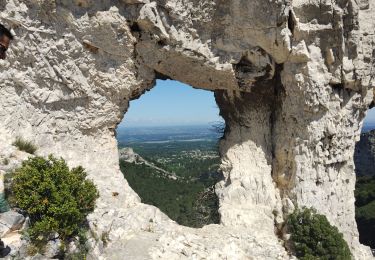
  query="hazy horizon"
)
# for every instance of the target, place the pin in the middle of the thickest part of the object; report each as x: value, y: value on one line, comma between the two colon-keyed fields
x: 366, y: 126
x: 174, y: 104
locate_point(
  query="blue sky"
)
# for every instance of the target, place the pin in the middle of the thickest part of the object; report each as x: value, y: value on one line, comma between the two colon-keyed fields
x: 172, y: 103
x: 370, y: 117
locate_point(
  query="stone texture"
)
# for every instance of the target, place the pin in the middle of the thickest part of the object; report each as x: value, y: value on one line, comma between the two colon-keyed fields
x: 128, y: 155
x: 53, y: 248
x: 292, y: 79
x: 10, y: 221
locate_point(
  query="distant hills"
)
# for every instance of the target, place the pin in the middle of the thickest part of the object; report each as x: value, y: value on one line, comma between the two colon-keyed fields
x: 128, y: 155
x: 368, y: 127
x: 364, y: 156
x: 130, y: 135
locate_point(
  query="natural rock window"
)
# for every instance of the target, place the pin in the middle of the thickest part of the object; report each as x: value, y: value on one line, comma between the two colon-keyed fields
x: 292, y: 79
x: 168, y: 146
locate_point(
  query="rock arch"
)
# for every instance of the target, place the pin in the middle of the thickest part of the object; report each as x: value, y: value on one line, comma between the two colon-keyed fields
x: 292, y: 80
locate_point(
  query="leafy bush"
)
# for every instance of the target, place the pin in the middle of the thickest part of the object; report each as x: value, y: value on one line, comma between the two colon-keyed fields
x: 365, y: 217
x: 24, y: 145
x: 313, y: 237
x: 364, y: 190
x: 56, y: 199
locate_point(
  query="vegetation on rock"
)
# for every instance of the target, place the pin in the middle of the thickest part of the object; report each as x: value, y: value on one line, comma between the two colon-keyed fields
x: 56, y: 199
x: 313, y: 237
x: 24, y: 145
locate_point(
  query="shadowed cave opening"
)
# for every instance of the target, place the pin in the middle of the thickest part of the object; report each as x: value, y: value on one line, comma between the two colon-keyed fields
x: 364, y: 158
x: 168, y: 146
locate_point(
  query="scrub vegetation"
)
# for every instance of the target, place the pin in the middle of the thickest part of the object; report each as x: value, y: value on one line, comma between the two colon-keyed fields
x: 56, y: 199
x: 313, y: 237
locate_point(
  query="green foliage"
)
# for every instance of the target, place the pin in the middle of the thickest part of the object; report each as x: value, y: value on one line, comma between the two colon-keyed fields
x: 76, y: 256
x: 313, y: 237
x: 24, y: 145
x: 174, y: 157
x: 56, y: 199
x: 364, y: 190
x: 365, y: 209
x: 190, y: 200
x: 31, y: 250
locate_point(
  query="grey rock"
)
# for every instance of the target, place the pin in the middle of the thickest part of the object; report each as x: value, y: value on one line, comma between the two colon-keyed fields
x: 53, y: 248
x: 10, y: 221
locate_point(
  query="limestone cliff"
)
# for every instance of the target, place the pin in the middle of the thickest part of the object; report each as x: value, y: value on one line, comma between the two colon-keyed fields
x: 292, y: 78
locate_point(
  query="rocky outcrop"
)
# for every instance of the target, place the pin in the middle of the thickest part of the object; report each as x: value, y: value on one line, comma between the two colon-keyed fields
x: 364, y: 156
x: 10, y: 221
x: 128, y: 155
x: 292, y: 79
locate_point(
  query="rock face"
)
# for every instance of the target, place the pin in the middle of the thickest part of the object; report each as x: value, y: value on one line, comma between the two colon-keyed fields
x: 364, y: 156
x: 128, y: 155
x: 292, y: 79
x: 10, y: 221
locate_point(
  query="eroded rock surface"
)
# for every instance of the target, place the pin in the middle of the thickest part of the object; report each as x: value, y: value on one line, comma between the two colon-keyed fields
x: 292, y: 79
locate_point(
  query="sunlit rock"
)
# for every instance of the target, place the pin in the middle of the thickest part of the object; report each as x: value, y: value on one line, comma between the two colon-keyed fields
x: 293, y: 81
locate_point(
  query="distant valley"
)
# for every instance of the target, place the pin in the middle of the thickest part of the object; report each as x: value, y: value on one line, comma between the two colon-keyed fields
x: 176, y: 168
x: 131, y: 135
x: 364, y: 155
x: 364, y: 158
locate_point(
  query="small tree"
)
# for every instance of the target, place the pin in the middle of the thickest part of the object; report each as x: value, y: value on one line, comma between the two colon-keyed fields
x: 56, y: 199
x: 313, y: 237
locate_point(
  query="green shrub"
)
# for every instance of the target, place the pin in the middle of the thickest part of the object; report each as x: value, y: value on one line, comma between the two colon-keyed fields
x: 56, y: 199
x: 24, y: 145
x: 365, y: 217
x: 365, y: 209
x: 313, y: 237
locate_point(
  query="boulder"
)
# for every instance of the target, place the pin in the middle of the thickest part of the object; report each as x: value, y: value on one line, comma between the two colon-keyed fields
x: 10, y: 221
